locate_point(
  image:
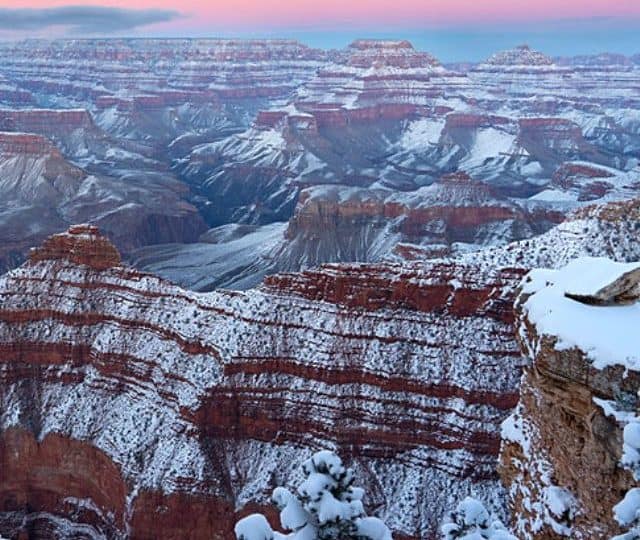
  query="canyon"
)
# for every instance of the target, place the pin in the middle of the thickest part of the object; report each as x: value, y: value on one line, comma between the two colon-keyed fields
x: 219, y: 256
x: 196, y: 404
x: 235, y: 143
x: 151, y: 403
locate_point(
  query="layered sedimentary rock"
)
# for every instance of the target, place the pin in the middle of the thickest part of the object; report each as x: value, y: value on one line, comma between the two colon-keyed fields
x: 13, y: 143
x: 521, y: 56
x: 158, y: 89
x: 10, y: 94
x: 339, y: 223
x: 165, y: 412
x: 336, y: 223
x: 562, y: 449
x: 241, y: 128
x: 231, y: 132
x: 81, y: 245
x: 366, y: 224
x: 376, y: 80
x: 355, y: 102
x: 43, y: 192
x: 588, y: 182
x: 34, y: 180
x: 606, y: 230
x: 45, y: 120
x: 598, y: 61
x: 510, y: 122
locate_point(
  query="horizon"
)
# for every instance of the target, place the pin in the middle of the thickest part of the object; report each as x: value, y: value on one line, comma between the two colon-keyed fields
x: 454, y: 31
x: 443, y: 47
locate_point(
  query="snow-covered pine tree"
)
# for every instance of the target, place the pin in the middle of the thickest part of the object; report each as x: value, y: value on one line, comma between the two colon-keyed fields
x: 471, y: 521
x: 326, y: 506
x: 627, y: 511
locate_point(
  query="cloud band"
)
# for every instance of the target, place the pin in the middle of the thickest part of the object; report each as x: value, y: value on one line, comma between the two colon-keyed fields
x: 83, y: 19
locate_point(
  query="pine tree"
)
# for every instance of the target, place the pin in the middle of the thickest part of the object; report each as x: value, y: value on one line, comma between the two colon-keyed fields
x: 471, y: 521
x: 627, y: 511
x: 326, y: 506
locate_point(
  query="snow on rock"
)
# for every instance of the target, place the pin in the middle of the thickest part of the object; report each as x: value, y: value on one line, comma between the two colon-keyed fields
x: 560, y: 305
x: 627, y: 512
x: 196, y: 402
x: 631, y: 448
x: 575, y: 399
x: 522, y: 55
x: 607, y: 230
x: 254, y: 527
x: 604, y: 281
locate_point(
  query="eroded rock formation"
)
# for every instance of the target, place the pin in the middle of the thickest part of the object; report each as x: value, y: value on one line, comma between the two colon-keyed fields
x: 560, y: 458
x: 197, y: 405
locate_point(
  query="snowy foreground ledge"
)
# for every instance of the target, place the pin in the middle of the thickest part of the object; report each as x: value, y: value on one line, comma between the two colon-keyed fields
x: 592, y: 304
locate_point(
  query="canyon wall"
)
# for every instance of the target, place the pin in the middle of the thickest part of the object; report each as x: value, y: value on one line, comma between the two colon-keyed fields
x: 184, y: 410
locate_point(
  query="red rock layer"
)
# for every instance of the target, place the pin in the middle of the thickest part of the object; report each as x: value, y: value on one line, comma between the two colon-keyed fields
x: 200, y: 404
x: 60, y: 476
x: 551, y: 132
x: 82, y: 245
x: 399, y: 287
x: 26, y: 143
x: 456, y: 208
x: 45, y: 120
x: 589, y: 180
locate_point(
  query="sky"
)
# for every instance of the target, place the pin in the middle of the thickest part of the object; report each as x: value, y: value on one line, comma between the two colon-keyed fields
x: 453, y: 30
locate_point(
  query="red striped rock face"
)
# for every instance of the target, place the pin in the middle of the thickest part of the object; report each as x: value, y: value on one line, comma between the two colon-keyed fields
x: 191, y: 407
x: 59, y: 476
x: 26, y: 143
x: 46, y: 121
x: 82, y: 245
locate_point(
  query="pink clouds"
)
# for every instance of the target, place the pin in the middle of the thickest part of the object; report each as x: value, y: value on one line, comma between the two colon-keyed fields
x: 242, y: 14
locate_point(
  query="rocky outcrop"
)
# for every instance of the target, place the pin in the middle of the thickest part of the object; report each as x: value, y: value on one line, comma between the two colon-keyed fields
x: 552, y: 132
x: 332, y: 222
x: 45, y: 121
x: 521, y: 60
x: 523, y: 55
x: 393, y: 53
x: 375, y: 80
x: 456, y: 121
x: 81, y: 245
x: 588, y: 182
x: 556, y: 140
x: 26, y: 144
x: 192, y: 407
x: 561, y: 452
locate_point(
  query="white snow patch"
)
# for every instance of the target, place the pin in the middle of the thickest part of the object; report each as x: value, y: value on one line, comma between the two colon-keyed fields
x: 606, y: 334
